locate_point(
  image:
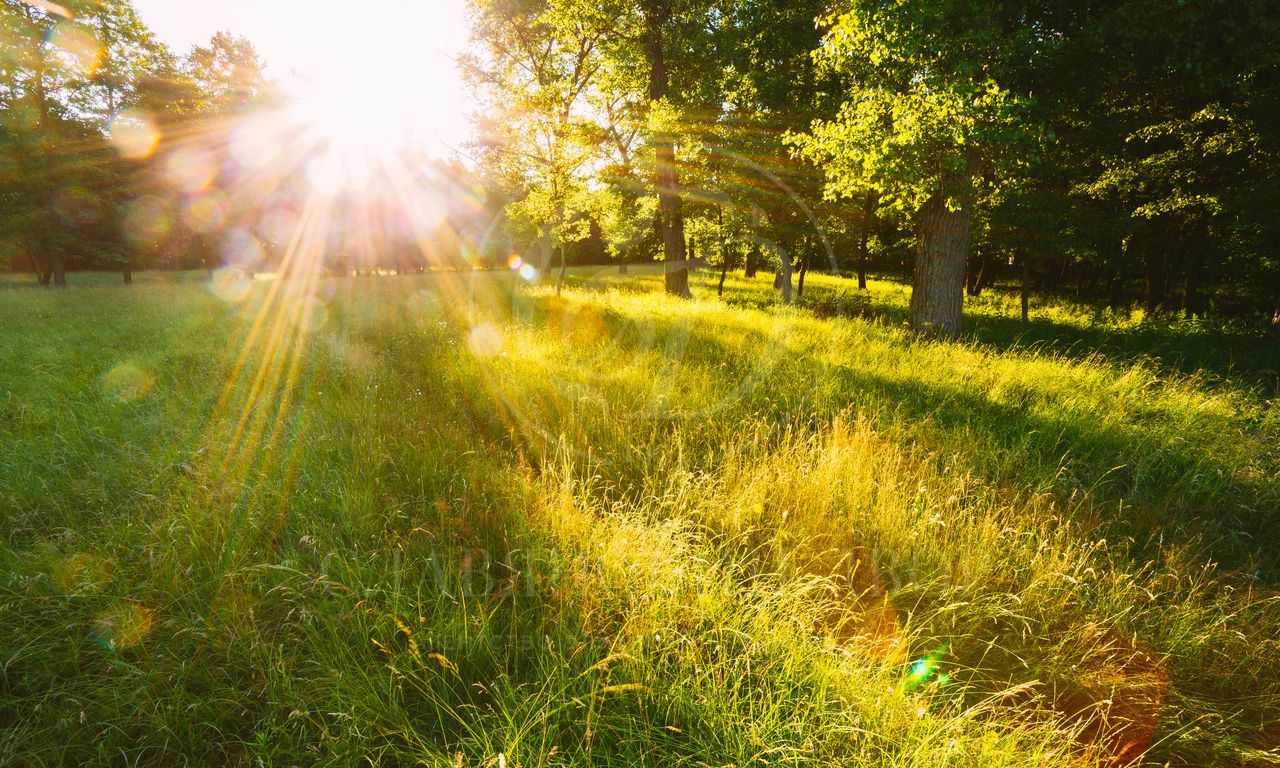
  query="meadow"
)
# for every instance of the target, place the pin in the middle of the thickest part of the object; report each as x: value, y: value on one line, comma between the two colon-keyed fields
x: 454, y: 520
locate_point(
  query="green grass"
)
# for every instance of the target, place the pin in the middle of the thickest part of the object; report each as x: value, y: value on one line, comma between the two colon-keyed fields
x: 439, y: 520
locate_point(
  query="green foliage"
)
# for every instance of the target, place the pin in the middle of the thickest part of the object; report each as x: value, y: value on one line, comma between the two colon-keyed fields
x: 931, y: 92
x: 94, y: 105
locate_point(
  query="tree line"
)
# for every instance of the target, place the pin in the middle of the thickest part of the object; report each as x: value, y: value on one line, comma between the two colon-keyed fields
x: 118, y: 154
x: 87, y: 97
x: 1122, y: 149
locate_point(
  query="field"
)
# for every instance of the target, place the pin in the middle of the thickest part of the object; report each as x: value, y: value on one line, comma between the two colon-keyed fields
x: 448, y: 520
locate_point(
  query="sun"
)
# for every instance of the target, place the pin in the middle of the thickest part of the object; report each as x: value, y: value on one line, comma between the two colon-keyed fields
x: 360, y: 122
x: 372, y: 88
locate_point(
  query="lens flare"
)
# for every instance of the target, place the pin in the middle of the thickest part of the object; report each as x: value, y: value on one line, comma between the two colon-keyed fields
x: 134, y: 135
x: 125, y: 625
x: 204, y: 215
x: 128, y: 383
x: 926, y: 670
x: 191, y: 169
x: 231, y: 285
x: 242, y: 249
x: 148, y: 221
x: 485, y: 340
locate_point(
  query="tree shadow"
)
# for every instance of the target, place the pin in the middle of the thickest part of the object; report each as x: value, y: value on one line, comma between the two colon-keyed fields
x: 1236, y: 354
x: 1167, y: 486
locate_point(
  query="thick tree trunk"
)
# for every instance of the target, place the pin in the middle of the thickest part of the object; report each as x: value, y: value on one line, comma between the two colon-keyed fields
x: 752, y: 267
x: 671, y: 221
x: 942, y: 245
x: 666, y: 177
x: 782, y: 279
x: 868, y: 210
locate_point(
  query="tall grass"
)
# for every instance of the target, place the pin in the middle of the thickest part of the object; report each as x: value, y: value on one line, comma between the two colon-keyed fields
x: 448, y: 520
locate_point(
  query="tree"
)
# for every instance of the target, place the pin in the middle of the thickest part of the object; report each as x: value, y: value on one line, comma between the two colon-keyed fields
x: 229, y: 75
x: 543, y: 57
x: 936, y: 107
x: 1171, y: 114
x: 657, y: 16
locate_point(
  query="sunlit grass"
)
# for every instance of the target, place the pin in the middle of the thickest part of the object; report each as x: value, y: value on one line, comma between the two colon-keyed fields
x: 399, y: 520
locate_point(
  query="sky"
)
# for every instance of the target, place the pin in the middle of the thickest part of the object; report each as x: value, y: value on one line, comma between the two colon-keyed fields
x: 381, y: 62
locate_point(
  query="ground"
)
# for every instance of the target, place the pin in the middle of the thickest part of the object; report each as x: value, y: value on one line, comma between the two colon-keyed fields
x: 452, y: 520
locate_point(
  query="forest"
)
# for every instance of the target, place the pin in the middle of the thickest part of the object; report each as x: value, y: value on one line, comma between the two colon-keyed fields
x: 1123, y: 153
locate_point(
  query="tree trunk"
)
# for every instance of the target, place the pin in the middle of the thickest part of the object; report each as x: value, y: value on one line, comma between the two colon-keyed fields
x: 942, y: 245
x: 666, y: 177
x: 752, y: 267
x: 868, y: 210
x: 59, y: 271
x: 622, y: 268
x: 971, y: 269
x: 782, y: 278
x: 1115, y: 287
x: 563, y: 270
x: 988, y: 274
x: 977, y: 276
x: 128, y: 275
x: 804, y: 270
x: 1025, y: 267
x: 44, y: 273
x: 724, y: 255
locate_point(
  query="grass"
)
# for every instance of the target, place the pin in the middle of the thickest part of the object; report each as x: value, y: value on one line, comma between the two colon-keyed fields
x: 448, y: 521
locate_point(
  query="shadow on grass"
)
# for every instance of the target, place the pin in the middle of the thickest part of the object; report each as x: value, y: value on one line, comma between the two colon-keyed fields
x: 1150, y: 484
x: 1239, y: 355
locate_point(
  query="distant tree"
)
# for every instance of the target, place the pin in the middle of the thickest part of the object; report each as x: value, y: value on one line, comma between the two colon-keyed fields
x: 541, y: 61
x: 230, y: 75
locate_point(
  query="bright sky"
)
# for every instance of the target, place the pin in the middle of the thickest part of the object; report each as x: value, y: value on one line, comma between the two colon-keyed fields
x: 381, y: 64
